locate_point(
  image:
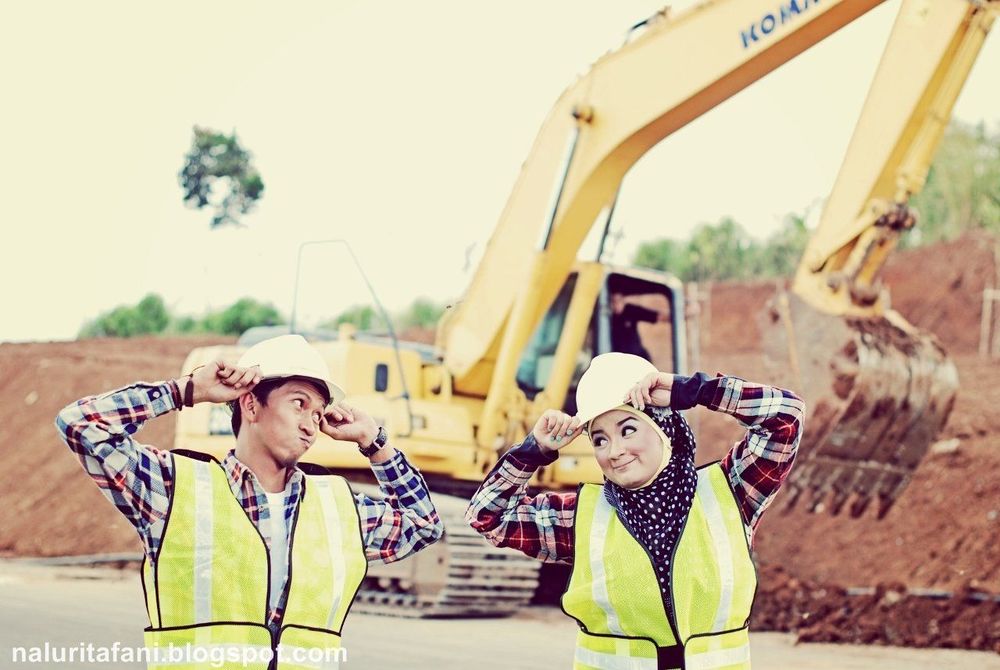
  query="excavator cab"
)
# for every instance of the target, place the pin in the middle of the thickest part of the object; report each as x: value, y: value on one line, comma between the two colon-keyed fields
x: 634, y: 311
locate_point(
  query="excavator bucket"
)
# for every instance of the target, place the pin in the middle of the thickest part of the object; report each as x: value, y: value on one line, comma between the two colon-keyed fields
x: 878, y: 392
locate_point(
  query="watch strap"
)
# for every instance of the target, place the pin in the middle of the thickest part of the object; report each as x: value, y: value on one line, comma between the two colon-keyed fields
x: 380, y: 439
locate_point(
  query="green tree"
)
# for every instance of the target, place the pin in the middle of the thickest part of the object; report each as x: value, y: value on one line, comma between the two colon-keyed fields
x: 664, y: 255
x: 422, y: 313
x: 779, y: 256
x: 721, y: 251
x: 962, y: 192
x: 148, y: 316
x: 362, y: 317
x: 242, y: 315
x: 217, y: 158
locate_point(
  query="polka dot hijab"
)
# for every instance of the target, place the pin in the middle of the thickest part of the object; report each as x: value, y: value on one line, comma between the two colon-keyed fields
x: 655, y: 513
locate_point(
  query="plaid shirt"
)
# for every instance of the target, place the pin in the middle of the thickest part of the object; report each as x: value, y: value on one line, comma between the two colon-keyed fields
x: 138, y: 478
x: 541, y: 526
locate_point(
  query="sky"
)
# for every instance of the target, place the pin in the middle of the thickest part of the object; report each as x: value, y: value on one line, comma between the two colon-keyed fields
x: 397, y: 126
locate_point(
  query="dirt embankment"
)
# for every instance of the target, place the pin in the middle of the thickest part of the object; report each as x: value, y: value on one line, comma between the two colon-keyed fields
x: 944, y: 531
x: 49, y: 508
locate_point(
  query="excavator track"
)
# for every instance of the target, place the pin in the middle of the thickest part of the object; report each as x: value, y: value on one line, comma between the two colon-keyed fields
x: 878, y: 393
x: 462, y: 575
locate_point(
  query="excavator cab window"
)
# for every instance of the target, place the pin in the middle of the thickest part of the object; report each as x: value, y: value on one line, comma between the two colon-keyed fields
x: 636, y: 316
x: 633, y: 313
x: 536, y: 362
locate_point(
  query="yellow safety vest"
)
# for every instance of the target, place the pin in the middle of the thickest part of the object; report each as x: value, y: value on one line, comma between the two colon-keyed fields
x: 614, y: 596
x: 208, y: 595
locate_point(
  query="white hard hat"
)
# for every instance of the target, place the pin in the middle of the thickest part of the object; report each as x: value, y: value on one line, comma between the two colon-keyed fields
x: 290, y: 356
x: 603, y: 386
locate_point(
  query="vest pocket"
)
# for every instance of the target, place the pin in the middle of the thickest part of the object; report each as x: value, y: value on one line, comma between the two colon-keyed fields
x: 229, y: 646
x: 305, y: 648
x: 606, y: 652
x: 719, y: 651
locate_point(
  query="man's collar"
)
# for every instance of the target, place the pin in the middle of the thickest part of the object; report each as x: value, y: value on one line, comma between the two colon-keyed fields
x: 237, y: 471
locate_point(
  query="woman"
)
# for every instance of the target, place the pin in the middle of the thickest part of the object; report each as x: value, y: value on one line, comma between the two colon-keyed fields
x: 662, y: 575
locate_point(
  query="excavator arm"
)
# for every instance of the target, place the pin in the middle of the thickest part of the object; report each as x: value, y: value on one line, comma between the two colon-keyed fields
x: 879, y: 389
x: 677, y: 69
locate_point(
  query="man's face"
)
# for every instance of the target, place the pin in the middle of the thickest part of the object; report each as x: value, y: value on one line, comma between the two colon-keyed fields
x: 288, y: 424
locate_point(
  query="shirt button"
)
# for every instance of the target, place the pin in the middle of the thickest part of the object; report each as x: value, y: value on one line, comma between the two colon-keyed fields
x: 156, y: 394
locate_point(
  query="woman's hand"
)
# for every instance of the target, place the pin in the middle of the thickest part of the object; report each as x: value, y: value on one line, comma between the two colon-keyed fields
x: 555, y: 429
x: 653, y: 389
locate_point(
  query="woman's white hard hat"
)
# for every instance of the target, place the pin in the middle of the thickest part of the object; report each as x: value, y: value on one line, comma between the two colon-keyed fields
x: 290, y: 356
x: 603, y: 386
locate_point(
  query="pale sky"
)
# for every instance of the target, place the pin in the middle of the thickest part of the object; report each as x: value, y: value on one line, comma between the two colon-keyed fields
x: 399, y: 126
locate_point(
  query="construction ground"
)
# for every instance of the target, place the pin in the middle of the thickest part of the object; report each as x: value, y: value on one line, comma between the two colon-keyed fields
x: 824, y: 579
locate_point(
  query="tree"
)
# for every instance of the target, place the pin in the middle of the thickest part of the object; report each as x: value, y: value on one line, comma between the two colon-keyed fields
x: 780, y: 254
x: 962, y: 191
x: 148, y: 316
x: 664, y: 255
x: 213, y: 158
x: 725, y: 251
x: 422, y: 313
x: 362, y: 317
x: 721, y: 251
x: 242, y: 315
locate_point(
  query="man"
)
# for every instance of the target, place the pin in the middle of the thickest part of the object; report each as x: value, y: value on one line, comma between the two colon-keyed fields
x: 251, y: 555
x: 625, y: 325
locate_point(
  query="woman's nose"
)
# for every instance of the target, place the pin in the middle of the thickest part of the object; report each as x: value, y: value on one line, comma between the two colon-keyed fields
x: 617, y: 450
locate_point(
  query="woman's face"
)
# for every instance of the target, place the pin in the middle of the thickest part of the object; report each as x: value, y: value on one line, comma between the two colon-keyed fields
x: 628, y: 449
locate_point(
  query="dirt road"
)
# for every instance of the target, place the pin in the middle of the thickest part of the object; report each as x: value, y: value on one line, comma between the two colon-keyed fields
x: 67, y: 608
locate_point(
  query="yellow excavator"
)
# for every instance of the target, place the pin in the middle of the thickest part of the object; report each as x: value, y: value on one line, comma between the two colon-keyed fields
x: 534, y: 314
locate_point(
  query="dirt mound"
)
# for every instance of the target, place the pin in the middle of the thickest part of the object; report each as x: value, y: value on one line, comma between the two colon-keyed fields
x: 937, y: 288
x: 940, y: 288
x: 49, y: 508
x: 944, y: 531
x: 889, y: 615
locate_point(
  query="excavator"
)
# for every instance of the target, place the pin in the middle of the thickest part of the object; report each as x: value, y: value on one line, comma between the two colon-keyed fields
x: 534, y: 313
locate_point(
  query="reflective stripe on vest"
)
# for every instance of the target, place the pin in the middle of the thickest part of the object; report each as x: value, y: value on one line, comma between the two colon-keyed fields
x: 209, y: 589
x: 614, y: 591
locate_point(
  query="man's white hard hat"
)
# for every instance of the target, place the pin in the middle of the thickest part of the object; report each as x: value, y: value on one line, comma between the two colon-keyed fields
x: 603, y: 386
x: 290, y: 356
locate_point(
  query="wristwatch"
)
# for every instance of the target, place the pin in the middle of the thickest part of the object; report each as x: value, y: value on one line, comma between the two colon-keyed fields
x: 376, y: 444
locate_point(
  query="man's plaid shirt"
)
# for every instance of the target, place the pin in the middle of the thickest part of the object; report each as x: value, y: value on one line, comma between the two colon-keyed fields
x: 138, y: 478
x: 541, y: 526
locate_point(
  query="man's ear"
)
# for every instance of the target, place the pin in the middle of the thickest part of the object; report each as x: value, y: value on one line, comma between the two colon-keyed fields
x: 249, y: 406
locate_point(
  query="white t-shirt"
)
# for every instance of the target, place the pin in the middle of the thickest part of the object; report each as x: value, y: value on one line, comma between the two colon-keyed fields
x: 279, y: 545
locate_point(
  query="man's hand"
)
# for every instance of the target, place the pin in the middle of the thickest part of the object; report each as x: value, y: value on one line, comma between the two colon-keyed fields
x: 653, y: 389
x: 220, y: 382
x: 555, y: 429
x: 348, y: 424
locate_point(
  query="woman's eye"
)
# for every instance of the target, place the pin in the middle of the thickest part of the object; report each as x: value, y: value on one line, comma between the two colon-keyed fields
x: 317, y: 417
x: 600, y: 442
x: 627, y: 430
x: 298, y: 403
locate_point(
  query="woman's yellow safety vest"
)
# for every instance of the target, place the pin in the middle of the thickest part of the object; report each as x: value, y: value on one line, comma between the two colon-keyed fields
x: 208, y: 595
x: 614, y: 596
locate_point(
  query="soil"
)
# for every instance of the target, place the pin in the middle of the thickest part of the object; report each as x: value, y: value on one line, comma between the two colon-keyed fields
x: 42, y: 485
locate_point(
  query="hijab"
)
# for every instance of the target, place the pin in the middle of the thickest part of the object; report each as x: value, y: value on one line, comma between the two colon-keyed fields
x: 655, y: 512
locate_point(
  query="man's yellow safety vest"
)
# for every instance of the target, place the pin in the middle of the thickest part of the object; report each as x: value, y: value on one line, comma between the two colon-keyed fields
x: 208, y: 595
x: 614, y: 596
